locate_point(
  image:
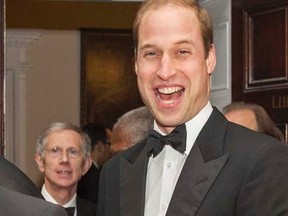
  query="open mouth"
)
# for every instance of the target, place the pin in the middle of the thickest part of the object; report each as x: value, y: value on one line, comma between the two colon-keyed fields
x: 169, y: 94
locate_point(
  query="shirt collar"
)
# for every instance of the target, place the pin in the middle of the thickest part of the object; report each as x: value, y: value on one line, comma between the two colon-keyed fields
x: 195, y: 125
x: 49, y: 198
x: 95, y: 164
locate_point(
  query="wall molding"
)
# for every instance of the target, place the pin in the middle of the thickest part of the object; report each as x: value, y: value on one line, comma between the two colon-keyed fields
x: 17, y: 70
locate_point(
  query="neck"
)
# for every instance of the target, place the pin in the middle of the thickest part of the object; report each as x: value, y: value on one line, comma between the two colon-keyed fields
x: 61, y: 195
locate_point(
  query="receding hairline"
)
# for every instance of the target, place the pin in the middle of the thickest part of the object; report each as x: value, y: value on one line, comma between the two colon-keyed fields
x: 204, y: 20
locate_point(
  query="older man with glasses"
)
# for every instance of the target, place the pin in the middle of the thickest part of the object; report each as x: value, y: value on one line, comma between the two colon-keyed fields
x: 63, y: 156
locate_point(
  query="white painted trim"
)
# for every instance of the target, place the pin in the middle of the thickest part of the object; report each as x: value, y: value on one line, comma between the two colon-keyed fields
x: 16, y: 72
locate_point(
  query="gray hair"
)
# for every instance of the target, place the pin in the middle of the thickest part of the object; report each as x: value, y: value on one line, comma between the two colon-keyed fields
x: 58, y: 126
x: 135, y: 125
x: 264, y: 123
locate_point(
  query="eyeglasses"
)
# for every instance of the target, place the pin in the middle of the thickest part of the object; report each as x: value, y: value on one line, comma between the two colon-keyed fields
x: 57, y: 151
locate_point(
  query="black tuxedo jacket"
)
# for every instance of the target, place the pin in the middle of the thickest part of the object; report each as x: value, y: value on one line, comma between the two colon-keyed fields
x: 15, y: 204
x: 88, y: 185
x: 85, y: 208
x: 230, y: 171
x: 13, y: 178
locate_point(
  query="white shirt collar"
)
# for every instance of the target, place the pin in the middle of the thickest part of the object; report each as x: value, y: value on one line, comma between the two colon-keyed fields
x: 96, y: 165
x: 195, y: 125
x: 49, y: 198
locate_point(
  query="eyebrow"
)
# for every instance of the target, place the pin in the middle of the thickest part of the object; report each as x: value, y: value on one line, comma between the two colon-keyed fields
x: 147, y: 46
x: 184, y: 42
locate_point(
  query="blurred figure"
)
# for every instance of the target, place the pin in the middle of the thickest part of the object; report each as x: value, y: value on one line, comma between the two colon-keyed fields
x: 253, y: 117
x: 13, y: 178
x: 63, y: 155
x: 100, y: 153
x: 14, y: 204
x: 131, y: 128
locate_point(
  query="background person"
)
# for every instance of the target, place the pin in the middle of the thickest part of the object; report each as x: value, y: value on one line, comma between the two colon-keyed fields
x: 195, y: 162
x: 13, y: 178
x: 253, y: 117
x: 131, y: 128
x: 100, y: 153
x: 63, y: 155
x: 13, y: 203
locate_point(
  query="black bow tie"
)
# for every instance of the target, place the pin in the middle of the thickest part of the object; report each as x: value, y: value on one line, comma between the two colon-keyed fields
x: 176, y: 139
x: 70, y: 211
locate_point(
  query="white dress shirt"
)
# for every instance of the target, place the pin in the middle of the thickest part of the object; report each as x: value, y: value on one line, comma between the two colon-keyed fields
x: 49, y: 198
x: 164, y: 170
x: 96, y: 165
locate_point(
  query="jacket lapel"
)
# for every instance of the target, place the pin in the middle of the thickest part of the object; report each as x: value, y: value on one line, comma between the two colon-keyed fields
x: 204, y: 163
x: 194, y: 182
x: 133, y: 169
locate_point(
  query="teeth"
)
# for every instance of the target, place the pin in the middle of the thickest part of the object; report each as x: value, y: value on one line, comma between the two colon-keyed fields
x: 64, y: 171
x: 169, y: 90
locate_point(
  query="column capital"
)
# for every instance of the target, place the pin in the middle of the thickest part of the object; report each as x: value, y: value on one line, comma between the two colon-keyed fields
x: 22, y: 38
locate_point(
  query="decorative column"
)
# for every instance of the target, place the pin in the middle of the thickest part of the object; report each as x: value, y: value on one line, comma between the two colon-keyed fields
x: 17, y: 68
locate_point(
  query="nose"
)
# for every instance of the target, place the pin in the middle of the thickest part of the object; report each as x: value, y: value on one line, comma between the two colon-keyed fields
x: 64, y: 156
x: 166, y: 67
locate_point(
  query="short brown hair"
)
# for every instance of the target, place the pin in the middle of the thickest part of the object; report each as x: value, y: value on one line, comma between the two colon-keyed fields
x: 201, y: 13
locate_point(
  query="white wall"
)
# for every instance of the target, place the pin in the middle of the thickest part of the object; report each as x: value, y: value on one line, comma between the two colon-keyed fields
x: 43, y: 86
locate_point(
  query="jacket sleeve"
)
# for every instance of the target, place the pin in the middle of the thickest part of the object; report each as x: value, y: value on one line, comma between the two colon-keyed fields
x: 265, y: 189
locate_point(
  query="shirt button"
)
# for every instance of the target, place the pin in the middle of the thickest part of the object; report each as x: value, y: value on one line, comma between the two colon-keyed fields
x: 163, y: 207
x: 169, y: 164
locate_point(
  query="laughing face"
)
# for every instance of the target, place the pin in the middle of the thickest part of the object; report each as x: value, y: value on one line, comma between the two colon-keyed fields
x: 63, y: 161
x: 172, y: 71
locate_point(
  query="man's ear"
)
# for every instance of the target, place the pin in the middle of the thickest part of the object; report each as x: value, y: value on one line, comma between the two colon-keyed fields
x: 87, y: 164
x: 211, y: 60
x: 135, y: 64
x: 136, y: 68
x: 39, y: 162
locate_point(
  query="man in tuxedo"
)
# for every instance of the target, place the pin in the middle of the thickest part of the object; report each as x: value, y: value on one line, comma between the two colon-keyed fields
x: 195, y: 162
x: 13, y: 178
x: 13, y: 203
x: 63, y: 155
x: 100, y: 153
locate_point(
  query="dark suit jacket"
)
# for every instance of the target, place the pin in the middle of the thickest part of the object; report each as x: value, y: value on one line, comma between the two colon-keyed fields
x: 13, y: 178
x: 230, y: 171
x: 88, y: 185
x: 15, y: 204
x: 85, y: 208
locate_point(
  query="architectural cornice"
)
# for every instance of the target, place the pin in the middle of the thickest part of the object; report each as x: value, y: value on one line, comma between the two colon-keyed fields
x: 22, y: 38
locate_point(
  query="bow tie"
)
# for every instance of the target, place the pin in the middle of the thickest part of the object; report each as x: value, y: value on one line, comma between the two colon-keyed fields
x: 70, y: 211
x: 176, y: 139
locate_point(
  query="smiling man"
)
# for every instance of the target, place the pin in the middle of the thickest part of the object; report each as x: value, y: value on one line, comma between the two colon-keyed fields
x: 194, y: 162
x: 63, y: 155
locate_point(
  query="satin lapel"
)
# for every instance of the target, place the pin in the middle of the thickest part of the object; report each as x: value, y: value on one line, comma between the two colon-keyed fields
x: 194, y: 182
x: 133, y: 181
